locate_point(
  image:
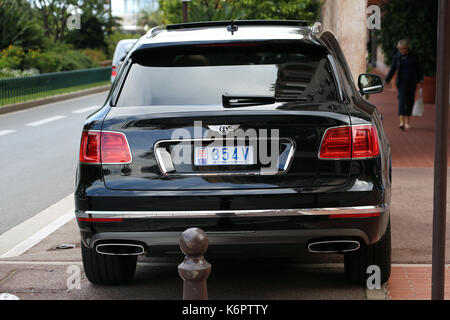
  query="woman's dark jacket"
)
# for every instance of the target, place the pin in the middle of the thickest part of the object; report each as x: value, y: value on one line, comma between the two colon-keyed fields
x: 412, y: 68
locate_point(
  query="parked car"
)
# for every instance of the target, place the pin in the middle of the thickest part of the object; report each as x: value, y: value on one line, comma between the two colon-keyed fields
x: 253, y: 131
x: 122, y: 49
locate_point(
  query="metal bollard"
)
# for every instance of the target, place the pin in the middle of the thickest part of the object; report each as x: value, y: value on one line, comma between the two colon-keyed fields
x: 194, y: 270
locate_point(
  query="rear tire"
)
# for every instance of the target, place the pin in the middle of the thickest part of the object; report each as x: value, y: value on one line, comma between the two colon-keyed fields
x: 107, y: 270
x: 378, y: 254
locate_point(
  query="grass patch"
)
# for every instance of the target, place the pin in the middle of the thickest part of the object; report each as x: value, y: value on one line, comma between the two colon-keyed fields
x: 51, y: 93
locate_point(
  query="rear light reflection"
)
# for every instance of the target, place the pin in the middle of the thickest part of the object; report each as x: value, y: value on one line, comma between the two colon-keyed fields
x: 359, y: 215
x: 114, y: 71
x: 104, y: 147
x: 360, y: 141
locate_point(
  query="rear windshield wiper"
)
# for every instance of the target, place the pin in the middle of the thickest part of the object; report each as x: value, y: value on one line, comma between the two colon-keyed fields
x: 249, y: 101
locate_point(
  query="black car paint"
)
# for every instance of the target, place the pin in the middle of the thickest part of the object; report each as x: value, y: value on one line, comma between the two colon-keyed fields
x: 367, y: 182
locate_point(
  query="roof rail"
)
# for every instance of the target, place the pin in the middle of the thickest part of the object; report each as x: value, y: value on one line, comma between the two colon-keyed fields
x: 154, y: 30
x: 189, y: 25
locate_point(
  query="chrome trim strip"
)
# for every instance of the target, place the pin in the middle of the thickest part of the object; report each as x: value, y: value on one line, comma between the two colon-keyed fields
x: 166, y: 167
x: 233, y: 213
x: 378, y: 87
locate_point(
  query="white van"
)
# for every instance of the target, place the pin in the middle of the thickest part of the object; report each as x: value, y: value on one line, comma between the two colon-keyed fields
x: 122, y: 48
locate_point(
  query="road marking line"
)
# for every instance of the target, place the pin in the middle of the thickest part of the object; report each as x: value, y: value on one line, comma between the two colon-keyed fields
x: 30, y: 232
x: 39, y: 236
x: 5, y: 132
x: 44, y: 121
x: 91, y: 108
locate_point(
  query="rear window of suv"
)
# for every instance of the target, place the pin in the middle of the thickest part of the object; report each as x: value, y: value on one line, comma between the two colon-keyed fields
x: 202, y: 74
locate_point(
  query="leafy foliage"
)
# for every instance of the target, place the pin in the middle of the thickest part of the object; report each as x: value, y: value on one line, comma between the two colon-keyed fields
x: 11, y: 57
x: 95, y: 20
x: 90, y: 36
x: 210, y: 10
x: 18, y: 26
x: 415, y: 21
x: 307, y: 10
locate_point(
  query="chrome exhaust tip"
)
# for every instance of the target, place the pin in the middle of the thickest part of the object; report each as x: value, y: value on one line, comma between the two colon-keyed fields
x: 333, y: 246
x: 120, y: 249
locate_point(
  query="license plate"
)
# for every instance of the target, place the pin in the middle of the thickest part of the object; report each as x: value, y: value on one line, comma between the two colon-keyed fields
x: 214, y: 156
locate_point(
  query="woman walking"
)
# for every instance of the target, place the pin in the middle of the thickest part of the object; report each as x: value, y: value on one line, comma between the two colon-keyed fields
x: 409, y: 74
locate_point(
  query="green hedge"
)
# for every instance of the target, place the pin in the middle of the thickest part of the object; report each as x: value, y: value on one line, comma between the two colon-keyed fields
x: 59, y: 59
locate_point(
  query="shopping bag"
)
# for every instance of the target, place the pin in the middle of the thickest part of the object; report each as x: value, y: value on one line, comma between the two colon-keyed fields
x: 418, y: 107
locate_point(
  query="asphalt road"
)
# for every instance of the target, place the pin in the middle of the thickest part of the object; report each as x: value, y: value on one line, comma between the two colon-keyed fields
x: 39, y: 149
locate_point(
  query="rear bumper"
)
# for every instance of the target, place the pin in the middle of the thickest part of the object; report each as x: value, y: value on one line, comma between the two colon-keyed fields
x: 160, y: 231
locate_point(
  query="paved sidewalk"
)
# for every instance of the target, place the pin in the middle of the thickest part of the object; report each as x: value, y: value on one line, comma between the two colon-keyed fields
x: 413, y: 282
x: 413, y: 148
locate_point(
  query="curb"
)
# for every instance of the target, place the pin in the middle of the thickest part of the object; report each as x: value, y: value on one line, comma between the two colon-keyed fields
x: 34, y: 103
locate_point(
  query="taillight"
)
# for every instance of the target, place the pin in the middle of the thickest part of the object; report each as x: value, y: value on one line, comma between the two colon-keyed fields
x: 90, y: 147
x: 336, y: 144
x: 365, y: 141
x: 104, y: 147
x: 114, y: 71
x: 360, y: 141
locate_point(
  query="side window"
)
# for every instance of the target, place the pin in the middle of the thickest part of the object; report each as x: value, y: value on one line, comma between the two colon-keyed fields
x: 119, y: 81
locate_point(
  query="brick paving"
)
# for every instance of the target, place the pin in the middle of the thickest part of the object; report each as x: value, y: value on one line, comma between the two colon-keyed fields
x: 412, y: 282
x: 413, y: 148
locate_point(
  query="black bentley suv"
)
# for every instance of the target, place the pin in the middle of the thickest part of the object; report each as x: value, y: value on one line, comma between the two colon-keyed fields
x: 253, y: 131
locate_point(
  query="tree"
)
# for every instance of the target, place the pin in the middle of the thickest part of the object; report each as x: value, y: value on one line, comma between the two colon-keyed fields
x: 307, y: 10
x: 206, y: 10
x: 149, y: 18
x: 54, y: 15
x: 92, y: 34
x: 18, y: 27
x: 415, y: 21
